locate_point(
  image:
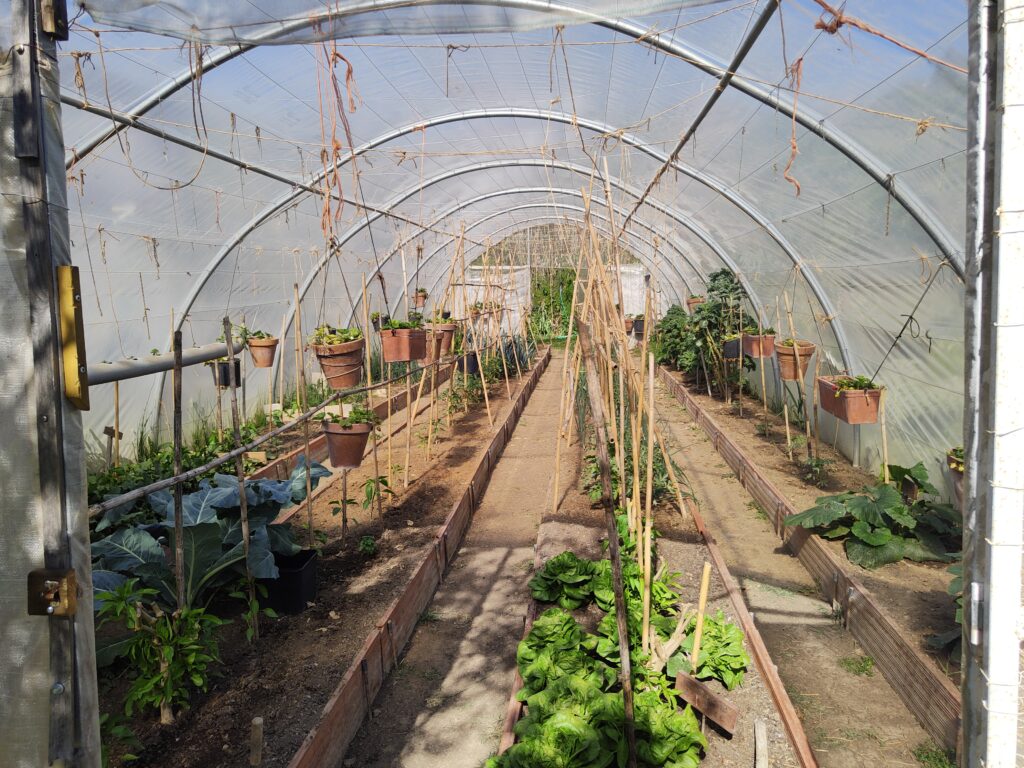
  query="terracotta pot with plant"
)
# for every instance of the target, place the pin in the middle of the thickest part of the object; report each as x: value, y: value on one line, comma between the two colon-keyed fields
x: 787, y: 352
x: 693, y: 302
x: 346, y: 437
x: 403, y: 340
x: 628, y: 320
x: 853, y: 399
x: 262, y: 347
x: 440, y: 326
x: 340, y: 354
x: 759, y: 345
x: 420, y: 298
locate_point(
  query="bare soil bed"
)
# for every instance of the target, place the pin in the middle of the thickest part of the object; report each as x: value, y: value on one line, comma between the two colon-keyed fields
x: 287, y: 675
x: 914, y: 594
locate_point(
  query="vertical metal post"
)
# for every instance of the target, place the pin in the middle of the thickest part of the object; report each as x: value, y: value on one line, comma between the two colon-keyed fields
x: 48, y: 709
x: 994, y: 412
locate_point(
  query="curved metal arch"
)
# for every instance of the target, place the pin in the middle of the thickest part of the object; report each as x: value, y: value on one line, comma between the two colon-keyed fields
x: 705, y: 237
x: 712, y: 183
x: 551, y: 217
x: 701, y: 177
x: 813, y: 122
x: 605, y: 230
x: 533, y: 162
x: 812, y: 281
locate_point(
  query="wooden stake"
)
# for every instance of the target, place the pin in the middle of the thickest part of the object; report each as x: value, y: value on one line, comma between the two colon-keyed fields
x: 344, y: 504
x: 648, y: 517
x: 179, y: 530
x: 302, y: 408
x: 117, y: 424
x: 256, y: 742
x: 240, y: 469
x: 698, y: 632
x: 760, y: 744
x: 369, y: 397
x: 760, y: 364
x: 625, y: 669
x: 885, y: 442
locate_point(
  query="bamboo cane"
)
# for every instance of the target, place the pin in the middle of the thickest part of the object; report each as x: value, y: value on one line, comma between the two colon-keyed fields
x: 369, y: 397
x: 179, y: 530
x: 239, y: 472
x: 649, y: 516
x: 625, y: 667
x: 303, y: 406
x: 698, y: 632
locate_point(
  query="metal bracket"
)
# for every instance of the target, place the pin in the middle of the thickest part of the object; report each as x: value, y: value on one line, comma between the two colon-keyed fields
x: 52, y: 593
x: 72, y: 337
x: 977, y: 606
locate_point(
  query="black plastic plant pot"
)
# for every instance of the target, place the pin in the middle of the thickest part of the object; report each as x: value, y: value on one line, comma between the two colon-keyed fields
x: 295, y: 587
x: 638, y: 326
x: 469, y: 364
x: 222, y: 373
x: 731, y: 349
x: 446, y: 314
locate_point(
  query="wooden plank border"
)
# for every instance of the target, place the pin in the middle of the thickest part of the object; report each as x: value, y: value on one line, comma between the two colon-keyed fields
x: 352, y: 700
x: 919, y: 683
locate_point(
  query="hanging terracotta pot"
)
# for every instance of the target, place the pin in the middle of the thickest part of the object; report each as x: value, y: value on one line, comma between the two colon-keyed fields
x: 346, y: 445
x: 759, y: 346
x: 787, y: 357
x: 693, y: 302
x: 854, y: 406
x: 262, y: 351
x: 420, y: 300
x: 447, y: 333
x: 434, y: 341
x: 342, y: 364
x: 629, y: 325
x: 400, y: 345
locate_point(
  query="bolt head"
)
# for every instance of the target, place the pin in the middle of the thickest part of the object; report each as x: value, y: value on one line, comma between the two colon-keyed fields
x: 57, y: 689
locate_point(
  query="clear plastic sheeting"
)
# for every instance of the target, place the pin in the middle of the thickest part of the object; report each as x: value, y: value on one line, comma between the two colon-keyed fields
x: 271, y: 22
x: 198, y: 197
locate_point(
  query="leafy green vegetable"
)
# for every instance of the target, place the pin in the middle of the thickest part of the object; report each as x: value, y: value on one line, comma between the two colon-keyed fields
x: 722, y: 656
x: 565, y: 580
x: 880, y: 528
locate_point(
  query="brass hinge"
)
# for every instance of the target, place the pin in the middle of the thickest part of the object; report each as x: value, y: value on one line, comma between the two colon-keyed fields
x: 72, y: 337
x: 52, y: 593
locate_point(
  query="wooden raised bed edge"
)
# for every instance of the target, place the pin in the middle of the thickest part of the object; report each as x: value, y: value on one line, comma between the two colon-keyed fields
x: 352, y: 700
x: 922, y: 687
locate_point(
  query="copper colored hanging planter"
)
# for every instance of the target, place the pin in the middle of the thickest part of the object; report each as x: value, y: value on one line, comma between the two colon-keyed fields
x: 787, y: 357
x: 342, y: 364
x: 401, y: 345
x: 346, y: 444
x: 262, y: 351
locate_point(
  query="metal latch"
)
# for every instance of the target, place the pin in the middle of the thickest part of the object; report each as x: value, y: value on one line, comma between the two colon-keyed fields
x: 52, y: 593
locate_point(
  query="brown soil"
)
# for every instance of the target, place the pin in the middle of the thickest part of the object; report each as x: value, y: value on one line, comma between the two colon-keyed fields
x: 912, y: 594
x: 447, y: 702
x: 851, y: 716
x: 287, y: 675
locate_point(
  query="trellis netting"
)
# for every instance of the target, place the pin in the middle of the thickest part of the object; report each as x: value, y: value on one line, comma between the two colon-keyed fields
x: 829, y: 171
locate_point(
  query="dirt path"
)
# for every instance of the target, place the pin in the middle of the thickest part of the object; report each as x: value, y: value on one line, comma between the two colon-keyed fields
x: 445, y: 704
x: 852, y: 717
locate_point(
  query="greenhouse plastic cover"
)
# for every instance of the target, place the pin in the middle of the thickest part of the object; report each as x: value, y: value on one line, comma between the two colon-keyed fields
x: 490, y: 117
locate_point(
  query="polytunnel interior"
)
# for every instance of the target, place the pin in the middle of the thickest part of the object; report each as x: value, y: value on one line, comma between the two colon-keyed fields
x: 290, y: 163
x: 879, y: 163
